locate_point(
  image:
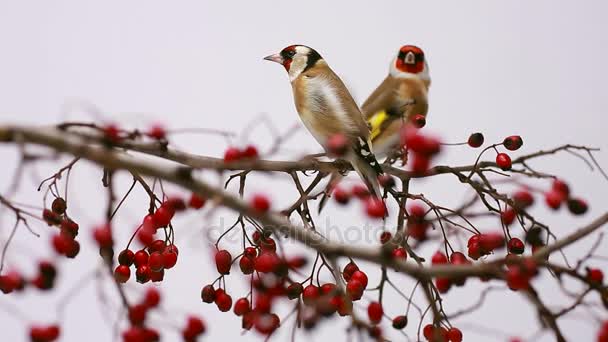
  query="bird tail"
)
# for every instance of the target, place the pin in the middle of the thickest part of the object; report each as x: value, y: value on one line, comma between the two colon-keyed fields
x: 333, y: 181
x: 365, y: 164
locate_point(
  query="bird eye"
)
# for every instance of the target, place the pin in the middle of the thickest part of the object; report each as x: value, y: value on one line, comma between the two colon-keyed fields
x: 291, y: 53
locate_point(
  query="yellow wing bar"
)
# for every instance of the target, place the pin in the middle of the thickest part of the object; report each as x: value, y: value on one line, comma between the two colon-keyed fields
x: 376, y: 122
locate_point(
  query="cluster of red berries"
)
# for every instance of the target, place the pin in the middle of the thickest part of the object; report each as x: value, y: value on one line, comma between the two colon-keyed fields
x: 511, y: 143
x: 417, y: 225
x: 374, y: 207
x: 398, y: 253
x: 270, y: 283
x: 441, y: 334
x: 64, y: 243
x: 560, y: 193
x: 234, y: 153
x: 137, y: 314
x: 44, y: 333
x: 423, y: 148
x: 483, y: 244
x: 456, y: 258
x: 44, y: 280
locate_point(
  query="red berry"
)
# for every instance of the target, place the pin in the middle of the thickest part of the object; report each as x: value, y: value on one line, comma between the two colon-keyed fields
x: 513, y: 142
x: 475, y: 140
x: 341, y: 196
x: 386, y: 180
x: 458, y: 258
x: 44, y: 333
x: 515, y: 246
x: 126, y: 257
x: 208, y: 294
x: 439, y: 258
x: 241, y: 306
x: 399, y: 253
x: 349, y: 269
x: 223, y: 301
x: 400, y: 322
x: 554, y: 199
x: 169, y: 259
x: 523, y: 198
x: 11, y: 281
x: 250, y: 152
x: 443, y: 284
x: 385, y: 237
x: 59, y: 206
x: 474, y: 250
x: 517, y: 279
x: 155, y: 262
x: 50, y: 217
x: 310, y: 294
x: 361, y: 277
x: 337, y: 145
x: 143, y: 274
x: 416, y: 212
x: 232, y: 154
x: 111, y: 133
x: 420, y: 164
x: 267, y: 323
x: 419, y: 120
x: 374, y: 207
x: 428, y: 331
x: 194, y: 327
x: 577, y: 206
x: 137, y: 314
x: 355, y: 289
x: 507, y: 216
x: 163, y: 216
x: 141, y: 258
x: 175, y: 203
x: 61, y: 243
x: 561, y: 187
x: 69, y: 227
x: 223, y: 261
x: 297, y: 262
x: 122, y: 273
x: 454, y: 335
x: 103, y: 236
x: 328, y: 288
x: 152, y: 297
x: 375, y: 312
x: 491, y: 241
x: 146, y: 235
x: 260, y: 203
x: 246, y: 264
x: 157, y: 276
x: 595, y: 275
x: 157, y: 132
x: 503, y: 161
x: 294, y: 290
x: 196, y: 201
x: 267, y: 262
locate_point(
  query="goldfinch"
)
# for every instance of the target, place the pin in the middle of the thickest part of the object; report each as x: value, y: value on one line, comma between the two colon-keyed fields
x: 328, y: 110
x: 401, y: 96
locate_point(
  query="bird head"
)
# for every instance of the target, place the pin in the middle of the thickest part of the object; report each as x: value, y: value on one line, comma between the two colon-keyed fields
x: 296, y: 59
x: 410, y: 59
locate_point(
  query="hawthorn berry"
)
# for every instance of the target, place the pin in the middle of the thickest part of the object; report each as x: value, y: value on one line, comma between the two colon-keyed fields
x: 355, y: 289
x: 503, y: 161
x: 267, y: 262
x: 517, y: 279
x: 44, y: 333
x: 61, y: 243
x: 454, y: 335
x: 561, y: 187
x: 491, y: 241
x: 375, y: 207
x: 246, y: 264
x: 151, y: 298
x: 263, y: 303
x: 523, y: 198
x: 475, y: 140
x: 126, y: 257
x: 163, y: 216
x: 103, y: 236
x: 122, y: 273
x: 337, y: 145
x: 439, y: 258
x: 554, y: 199
x: 250, y: 151
x: 310, y: 294
x: 69, y: 227
x: 208, y: 294
x: 223, y: 261
x: 140, y: 258
x: 443, y: 284
x: 241, y: 306
x: 400, y: 322
x: 507, y: 216
x: 361, y: 277
x: 399, y: 253
x: 341, y: 195
x: 157, y: 132
x: 420, y: 164
x: 513, y: 142
x: 137, y: 314
x: 59, y: 206
x: 267, y: 323
x: 169, y: 259
x: 294, y: 290
x: 595, y: 275
x: 155, y: 261
x: 196, y: 201
x: 194, y: 328
x: 145, y: 235
x: 232, y: 154
x: 111, y: 133
x: 577, y: 206
x: 143, y: 274
x: 385, y: 237
x: 375, y: 312
x: 515, y: 246
x: 348, y: 270
x: 457, y: 258
x: 297, y: 262
x: 223, y: 301
x: 260, y: 203
x: 157, y: 276
x: 360, y: 191
x: 386, y: 180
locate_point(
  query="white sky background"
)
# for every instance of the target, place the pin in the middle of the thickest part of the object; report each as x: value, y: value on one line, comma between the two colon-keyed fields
x: 531, y: 68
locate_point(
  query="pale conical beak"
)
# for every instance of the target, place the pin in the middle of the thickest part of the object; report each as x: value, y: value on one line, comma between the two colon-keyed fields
x: 275, y: 58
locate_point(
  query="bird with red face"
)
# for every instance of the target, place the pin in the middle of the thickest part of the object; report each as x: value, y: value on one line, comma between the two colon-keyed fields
x: 328, y: 110
x: 401, y: 96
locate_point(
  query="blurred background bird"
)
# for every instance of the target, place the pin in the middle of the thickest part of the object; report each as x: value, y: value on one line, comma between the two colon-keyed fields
x: 401, y: 96
x: 328, y: 110
x: 395, y: 102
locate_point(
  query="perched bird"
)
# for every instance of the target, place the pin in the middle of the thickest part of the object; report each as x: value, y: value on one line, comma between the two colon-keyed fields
x: 401, y: 96
x: 328, y: 110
